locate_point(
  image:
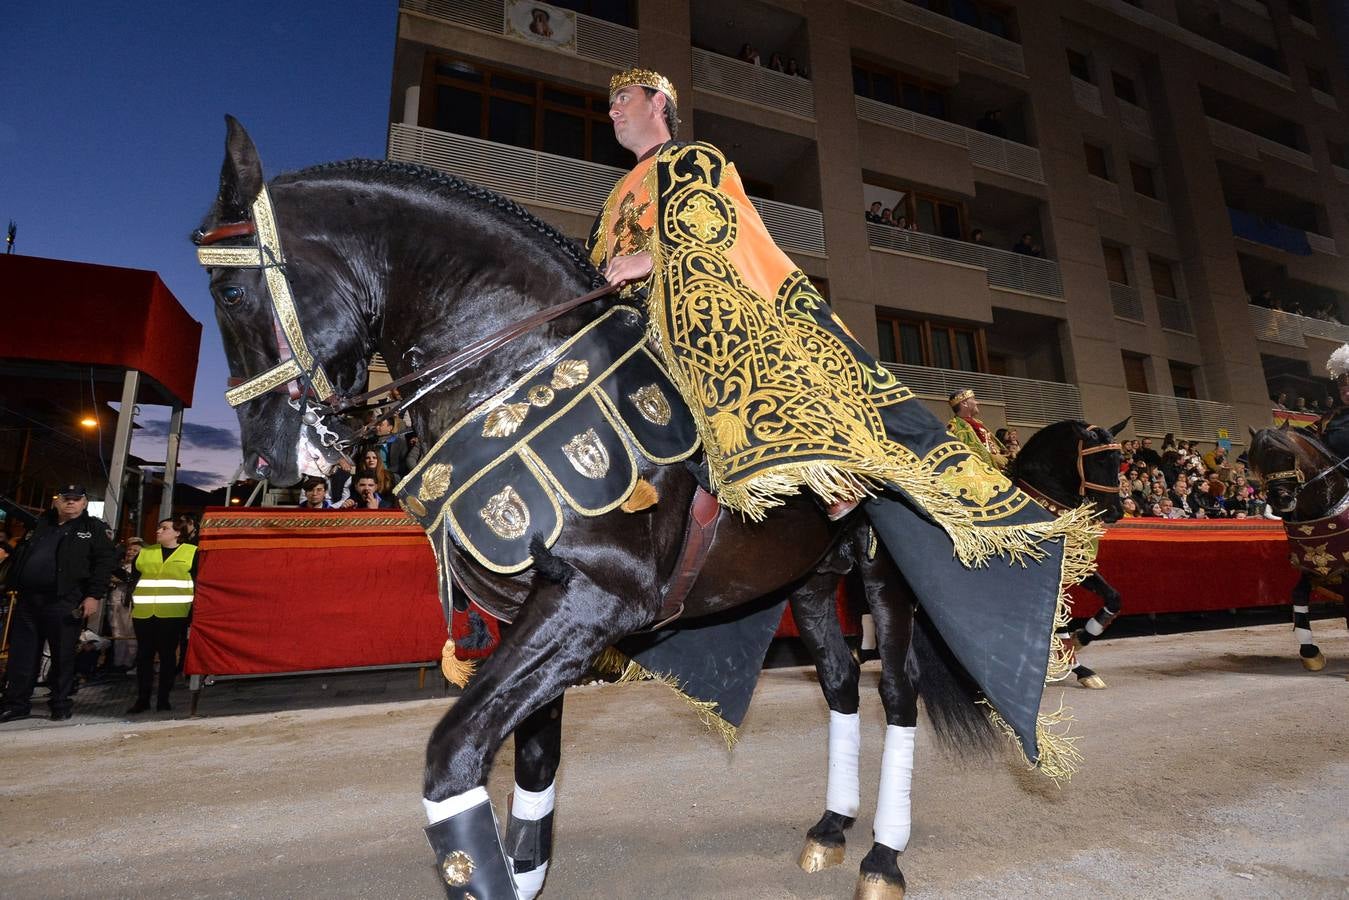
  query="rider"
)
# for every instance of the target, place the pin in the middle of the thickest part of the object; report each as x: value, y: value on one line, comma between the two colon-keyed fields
x: 967, y: 426
x: 784, y: 398
x: 1333, y: 427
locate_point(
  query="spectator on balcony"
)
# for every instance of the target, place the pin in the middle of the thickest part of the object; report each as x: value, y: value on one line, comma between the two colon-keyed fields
x: 991, y: 123
x: 1326, y: 313
x: 749, y: 54
x: 775, y: 63
x: 903, y: 222
x: 1146, y: 455
x: 874, y: 212
x: 977, y: 237
x: 1300, y: 405
x: 795, y: 68
x: 1280, y: 400
x: 1026, y: 246
x: 887, y: 218
x: 1265, y: 299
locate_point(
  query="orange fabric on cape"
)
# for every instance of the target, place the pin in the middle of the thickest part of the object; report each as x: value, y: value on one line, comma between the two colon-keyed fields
x: 756, y: 257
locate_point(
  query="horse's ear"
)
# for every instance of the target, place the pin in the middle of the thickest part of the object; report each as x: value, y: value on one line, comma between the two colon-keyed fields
x: 240, y: 175
x: 1252, y: 431
x: 1118, y: 428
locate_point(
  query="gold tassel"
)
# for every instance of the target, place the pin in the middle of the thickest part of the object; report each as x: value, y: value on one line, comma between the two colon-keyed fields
x: 456, y: 671
x: 644, y: 496
x: 613, y: 662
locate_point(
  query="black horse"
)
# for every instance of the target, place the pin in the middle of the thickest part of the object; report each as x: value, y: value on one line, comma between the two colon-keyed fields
x: 414, y: 264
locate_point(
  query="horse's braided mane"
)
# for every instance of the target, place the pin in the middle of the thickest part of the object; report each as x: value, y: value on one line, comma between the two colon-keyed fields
x: 443, y: 184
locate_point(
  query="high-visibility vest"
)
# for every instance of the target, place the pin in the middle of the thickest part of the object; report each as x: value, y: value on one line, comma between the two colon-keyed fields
x: 165, y: 586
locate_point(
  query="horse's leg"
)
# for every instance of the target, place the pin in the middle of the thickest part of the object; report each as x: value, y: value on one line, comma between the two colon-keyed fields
x: 1313, y: 660
x: 817, y: 622
x: 559, y: 632
x: 892, y: 605
x: 529, y: 832
x: 1095, y: 627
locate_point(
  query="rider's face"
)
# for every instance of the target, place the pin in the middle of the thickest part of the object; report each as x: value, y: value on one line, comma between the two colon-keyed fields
x: 636, y: 117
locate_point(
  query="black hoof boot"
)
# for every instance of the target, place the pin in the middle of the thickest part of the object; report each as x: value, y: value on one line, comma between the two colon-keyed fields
x: 825, y: 843
x: 880, y: 878
x: 469, y: 857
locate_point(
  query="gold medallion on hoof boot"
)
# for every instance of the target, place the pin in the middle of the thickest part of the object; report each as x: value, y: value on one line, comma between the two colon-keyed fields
x: 1314, y: 663
x: 1093, y: 682
x: 816, y: 856
x: 874, y: 887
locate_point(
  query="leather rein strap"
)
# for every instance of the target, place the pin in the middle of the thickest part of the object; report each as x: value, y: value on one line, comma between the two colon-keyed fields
x: 1086, y: 485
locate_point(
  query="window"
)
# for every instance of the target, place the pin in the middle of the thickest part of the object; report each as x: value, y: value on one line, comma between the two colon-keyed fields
x: 925, y: 342
x: 899, y: 89
x: 1319, y: 79
x: 1079, y: 67
x: 1124, y: 88
x: 1163, y: 278
x: 1182, y: 381
x: 1136, y: 374
x: 936, y: 215
x: 1096, y: 161
x: 1115, y: 268
x: 1144, y: 179
x: 520, y: 110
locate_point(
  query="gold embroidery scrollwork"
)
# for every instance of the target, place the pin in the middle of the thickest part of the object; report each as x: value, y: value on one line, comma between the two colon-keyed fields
x: 972, y: 479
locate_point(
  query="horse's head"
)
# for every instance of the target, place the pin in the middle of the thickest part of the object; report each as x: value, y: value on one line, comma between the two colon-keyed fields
x: 290, y: 308
x: 1073, y: 463
x: 1278, y: 457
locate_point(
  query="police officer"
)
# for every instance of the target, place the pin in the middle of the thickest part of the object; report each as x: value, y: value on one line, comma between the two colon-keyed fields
x: 62, y: 572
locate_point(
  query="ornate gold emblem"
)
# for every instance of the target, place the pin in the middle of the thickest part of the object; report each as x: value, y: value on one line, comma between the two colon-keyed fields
x: 704, y: 164
x: 540, y: 395
x: 1319, y: 559
x: 458, y: 868
x: 504, y: 420
x: 569, y: 373
x: 629, y: 235
x: 973, y: 480
x: 506, y: 514
x: 587, y: 454
x: 414, y: 506
x: 651, y: 403
x: 435, y: 482
x: 701, y: 216
x: 1306, y: 529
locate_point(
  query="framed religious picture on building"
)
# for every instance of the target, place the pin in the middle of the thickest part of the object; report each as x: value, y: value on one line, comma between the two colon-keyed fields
x: 541, y: 24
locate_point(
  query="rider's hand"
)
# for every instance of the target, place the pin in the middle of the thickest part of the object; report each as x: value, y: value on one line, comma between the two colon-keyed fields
x: 622, y: 269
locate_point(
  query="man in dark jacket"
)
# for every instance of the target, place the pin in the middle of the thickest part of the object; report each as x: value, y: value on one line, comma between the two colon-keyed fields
x: 62, y: 572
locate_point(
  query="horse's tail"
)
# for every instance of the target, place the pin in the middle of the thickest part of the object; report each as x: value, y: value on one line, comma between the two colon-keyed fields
x: 950, y: 696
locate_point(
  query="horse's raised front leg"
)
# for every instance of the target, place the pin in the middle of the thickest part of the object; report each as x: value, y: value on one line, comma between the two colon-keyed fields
x: 559, y: 632
x: 1094, y: 628
x: 529, y: 832
x: 817, y: 622
x: 1313, y: 660
x: 891, y: 603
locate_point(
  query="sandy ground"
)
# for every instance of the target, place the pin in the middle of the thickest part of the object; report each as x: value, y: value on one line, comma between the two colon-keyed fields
x: 1216, y: 767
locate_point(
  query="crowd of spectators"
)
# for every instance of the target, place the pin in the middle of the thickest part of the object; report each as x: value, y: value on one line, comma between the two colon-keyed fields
x: 787, y: 65
x: 1180, y: 482
x: 368, y: 484
x: 879, y: 214
x: 1325, y: 310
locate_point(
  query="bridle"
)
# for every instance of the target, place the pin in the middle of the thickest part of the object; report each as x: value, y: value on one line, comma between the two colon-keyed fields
x: 1084, y: 484
x: 299, y: 373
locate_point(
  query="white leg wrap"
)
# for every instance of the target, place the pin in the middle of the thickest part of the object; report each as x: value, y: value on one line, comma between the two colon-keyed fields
x: 893, y: 806
x: 532, y: 806
x: 868, y: 632
x: 1094, y: 628
x: 844, y: 794
x: 440, y: 810
x: 1304, y: 635
x: 528, y: 884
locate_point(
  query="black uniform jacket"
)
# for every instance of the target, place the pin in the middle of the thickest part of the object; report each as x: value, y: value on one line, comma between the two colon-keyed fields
x: 84, y: 559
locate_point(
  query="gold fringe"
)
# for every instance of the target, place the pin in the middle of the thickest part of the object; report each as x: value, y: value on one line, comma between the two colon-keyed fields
x: 456, y: 671
x: 614, y: 663
x: 1059, y: 759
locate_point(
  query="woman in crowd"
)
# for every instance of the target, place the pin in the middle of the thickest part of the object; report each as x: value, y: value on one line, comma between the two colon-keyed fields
x: 370, y: 461
x: 120, y: 629
x: 161, y: 602
x: 1130, y: 508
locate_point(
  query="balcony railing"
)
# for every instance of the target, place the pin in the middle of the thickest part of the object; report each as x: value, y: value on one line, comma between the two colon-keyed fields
x: 1251, y: 145
x: 969, y: 40
x: 1322, y: 244
x: 1190, y: 420
x: 1087, y: 95
x: 1105, y: 194
x: 1009, y: 271
x: 1303, y: 26
x: 596, y: 39
x: 1184, y: 36
x: 1124, y: 300
x: 986, y: 151
x: 1154, y: 213
x: 1135, y: 118
x: 740, y: 80
x: 1027, y: 402
x: 561, y: 182
x: 1175, y: 314
x: 1291, y: 329
x: 1325, y: 98
x: 1255, y: 7
x: 1341, y: 173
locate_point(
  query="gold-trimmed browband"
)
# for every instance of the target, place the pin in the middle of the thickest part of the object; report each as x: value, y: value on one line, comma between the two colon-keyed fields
x: 961, y: 397
x: 645, y: 78
x: 268, y: 257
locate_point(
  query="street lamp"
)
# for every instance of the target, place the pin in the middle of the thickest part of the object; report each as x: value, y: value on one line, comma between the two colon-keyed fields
x: 89, y: 422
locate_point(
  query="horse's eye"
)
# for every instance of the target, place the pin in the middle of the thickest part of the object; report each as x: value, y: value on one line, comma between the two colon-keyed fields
x: 230, y: 294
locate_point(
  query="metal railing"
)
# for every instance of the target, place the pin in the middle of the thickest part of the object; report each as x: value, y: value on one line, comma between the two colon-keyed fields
x: 1341, y: 173
x: 1250, y: 145
x: 1303, y: 26
x: 986, y: 151
x: 1192, y: 420
x: 530, y: 176
x: 1325, y: 98
x: 1135, y: 118
x: 1009, y: 271
x: 1087, y: 95
x: 1322, y: 244
x: 1125, y: 302
x: 969, y: 40
x: 1255, y: 7
x: 1027, y: 401
x: 1291, y: 329
x: 1174, y: 314
x: 1154, y: 213
x: 596, y: 39
x: 1105, y: 194
x: 740, y: 80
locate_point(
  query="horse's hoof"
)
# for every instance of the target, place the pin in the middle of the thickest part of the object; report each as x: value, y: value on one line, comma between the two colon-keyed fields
x: 1093, y: 682
x: 817, y: 856
x: 875, y: 887
x: 1314, y: 663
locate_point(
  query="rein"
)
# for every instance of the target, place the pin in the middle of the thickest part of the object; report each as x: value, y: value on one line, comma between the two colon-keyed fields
x: 1057, y: 506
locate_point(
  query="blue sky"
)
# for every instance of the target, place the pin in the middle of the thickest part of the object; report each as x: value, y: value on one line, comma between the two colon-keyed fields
x: 112, y: 133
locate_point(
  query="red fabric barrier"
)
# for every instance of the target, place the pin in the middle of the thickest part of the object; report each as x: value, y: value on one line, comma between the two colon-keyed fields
x: 282, y: 590
x: 1161, y: 565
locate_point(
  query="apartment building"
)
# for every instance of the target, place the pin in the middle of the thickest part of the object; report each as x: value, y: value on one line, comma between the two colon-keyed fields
x: 1171, y: 160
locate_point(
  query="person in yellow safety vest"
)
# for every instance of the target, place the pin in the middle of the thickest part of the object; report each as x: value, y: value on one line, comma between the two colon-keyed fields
x: 161, y: 601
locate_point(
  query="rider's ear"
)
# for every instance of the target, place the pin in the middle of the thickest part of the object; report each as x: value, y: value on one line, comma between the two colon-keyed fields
x: 240, y: 175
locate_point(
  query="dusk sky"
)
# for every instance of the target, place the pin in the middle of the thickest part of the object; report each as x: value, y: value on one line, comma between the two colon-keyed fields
x: 112, y: 134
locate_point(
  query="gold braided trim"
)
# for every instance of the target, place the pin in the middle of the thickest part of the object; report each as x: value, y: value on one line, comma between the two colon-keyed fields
x: 1060, y: 759
x: 614, y: 662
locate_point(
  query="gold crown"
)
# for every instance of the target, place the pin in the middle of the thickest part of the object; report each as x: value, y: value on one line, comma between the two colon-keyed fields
x: 645, y: 78
x: 960, y: 397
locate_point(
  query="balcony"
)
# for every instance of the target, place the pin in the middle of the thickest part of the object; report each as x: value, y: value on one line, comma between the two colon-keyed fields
x: 1271, y: 233
x: 1341, y: 174
x: 1105, y: 195
x: 1324, y: 98
x: 1190, y: 420
x: 1027, y: 402
x: 1175, y: 314
x: 1303, y: 26
x: 739, y: 80
x: 1087, y: 96
x: 969, y: 40
x: 1135, y: 119
x: 1154, y: 213
x: 1292, y: 330
x: 1125, y: 302
x: 574, y: 185
x: 985, y: 150
x: 1007, y: 271
x: 1253, y: 146
x: 596, y: 39
x: 1254, y: 7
